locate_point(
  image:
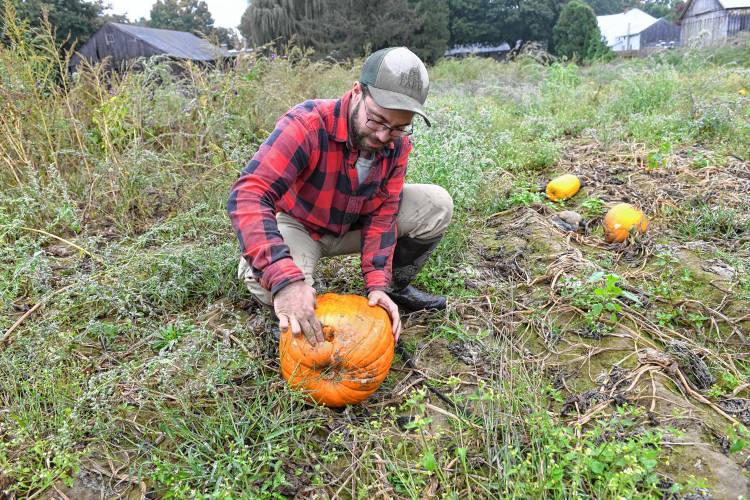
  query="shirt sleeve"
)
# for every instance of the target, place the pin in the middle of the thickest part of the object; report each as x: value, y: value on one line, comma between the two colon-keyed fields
x: 252, y: 200
x: 379, y: 228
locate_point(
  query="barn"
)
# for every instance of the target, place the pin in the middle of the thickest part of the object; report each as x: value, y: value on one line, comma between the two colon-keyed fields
x: 635, y: 30
x: 711, y: 21
x: 122, y: 43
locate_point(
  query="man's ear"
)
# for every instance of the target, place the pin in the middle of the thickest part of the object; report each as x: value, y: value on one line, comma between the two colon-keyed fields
x: 357, y: 88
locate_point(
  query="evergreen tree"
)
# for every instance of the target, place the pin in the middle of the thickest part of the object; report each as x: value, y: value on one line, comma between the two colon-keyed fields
x: 182, y: 15
x: 346, y: 29
x: 429, y: 35
x: 477, y: 21
x: 532, y: 20
x: 576, y: 34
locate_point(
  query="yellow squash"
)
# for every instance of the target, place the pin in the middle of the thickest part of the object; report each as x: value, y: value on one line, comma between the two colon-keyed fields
x: 563, y: 187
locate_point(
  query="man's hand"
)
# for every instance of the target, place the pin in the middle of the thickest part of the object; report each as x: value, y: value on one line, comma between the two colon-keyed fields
x: 295, y: 308
x: 380, y: 298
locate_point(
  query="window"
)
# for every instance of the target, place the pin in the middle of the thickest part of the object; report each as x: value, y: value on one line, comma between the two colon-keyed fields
x: 109, y: 38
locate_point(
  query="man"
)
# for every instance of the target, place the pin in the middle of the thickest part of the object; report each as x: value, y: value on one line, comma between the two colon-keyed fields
x: 330, y: 181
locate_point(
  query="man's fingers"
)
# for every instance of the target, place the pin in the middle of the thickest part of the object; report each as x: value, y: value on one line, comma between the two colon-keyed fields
x: 317, y: 328
x: 308, y: 331
x: 296, y: 329
x: 283, y: 322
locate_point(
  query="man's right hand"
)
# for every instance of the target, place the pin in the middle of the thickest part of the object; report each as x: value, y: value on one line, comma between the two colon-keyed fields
x: 295, y: 308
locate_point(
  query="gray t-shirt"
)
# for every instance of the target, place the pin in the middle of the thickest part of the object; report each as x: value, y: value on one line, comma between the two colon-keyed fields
x: 363, y: 167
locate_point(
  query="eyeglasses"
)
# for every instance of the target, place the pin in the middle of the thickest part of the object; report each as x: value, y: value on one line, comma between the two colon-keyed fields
x: 380, y: 126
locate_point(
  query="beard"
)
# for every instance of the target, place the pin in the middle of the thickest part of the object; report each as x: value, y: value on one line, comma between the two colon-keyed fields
x: 360, y: 136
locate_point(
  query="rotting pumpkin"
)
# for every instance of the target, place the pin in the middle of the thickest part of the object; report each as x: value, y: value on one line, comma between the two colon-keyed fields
x: 621, y: 220
x: 563, y: 187
x: 354, y: 359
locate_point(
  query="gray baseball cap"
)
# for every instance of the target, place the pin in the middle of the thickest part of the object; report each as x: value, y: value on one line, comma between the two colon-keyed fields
x: 397, y: 79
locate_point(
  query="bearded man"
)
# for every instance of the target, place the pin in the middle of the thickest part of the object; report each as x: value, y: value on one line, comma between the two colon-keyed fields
x: 329, y: 181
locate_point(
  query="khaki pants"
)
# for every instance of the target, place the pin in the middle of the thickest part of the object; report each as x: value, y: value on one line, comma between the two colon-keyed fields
x: 425, y: 213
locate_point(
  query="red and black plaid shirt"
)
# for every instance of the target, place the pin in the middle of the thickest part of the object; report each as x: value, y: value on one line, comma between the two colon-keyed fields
x: 306, y: 169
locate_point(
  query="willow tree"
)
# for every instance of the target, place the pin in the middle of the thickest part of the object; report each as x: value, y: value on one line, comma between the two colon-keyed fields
x: 277, y: 20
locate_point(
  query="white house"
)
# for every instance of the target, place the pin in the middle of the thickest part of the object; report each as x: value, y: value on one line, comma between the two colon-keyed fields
x: 623, y: 31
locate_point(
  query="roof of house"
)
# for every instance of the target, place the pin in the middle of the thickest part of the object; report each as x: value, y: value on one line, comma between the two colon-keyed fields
x: 477, y: 48
x: 726, y: 4
x: 631, y: 22
x: 735, y: 4
x: 179, y: 44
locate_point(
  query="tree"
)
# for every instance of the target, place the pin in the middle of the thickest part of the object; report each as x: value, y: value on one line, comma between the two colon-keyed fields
x: 476, y: 21
x: 661, y: 8
x: 576, y: 34
x: 74, y: 21
x: 182, y: 15
x: 277, y: 21
x: 531, y: 20
x: 225, y: 36
x: 607, y: 7
x: 429, y: 33
x: 345, y: 29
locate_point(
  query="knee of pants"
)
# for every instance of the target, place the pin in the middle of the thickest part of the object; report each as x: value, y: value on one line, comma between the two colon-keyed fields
x: 438, y: 216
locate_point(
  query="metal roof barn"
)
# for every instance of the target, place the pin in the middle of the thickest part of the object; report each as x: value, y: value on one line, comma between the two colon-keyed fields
x: 122, y: 43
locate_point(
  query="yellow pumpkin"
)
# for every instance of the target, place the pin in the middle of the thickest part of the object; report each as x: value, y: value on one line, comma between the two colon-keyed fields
x: 621, y: 220
x: 354, y: 359
x: 563, y: 187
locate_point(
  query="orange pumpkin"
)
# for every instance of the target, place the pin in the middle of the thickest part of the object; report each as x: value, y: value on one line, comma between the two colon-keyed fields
x: 621, y: 220
x: 354, y: 359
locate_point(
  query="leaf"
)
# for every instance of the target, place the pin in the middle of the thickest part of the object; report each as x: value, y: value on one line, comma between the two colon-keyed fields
x: 737, y: 445
x: 428, y: 461
x: 631, y: 296
x: 597, y: 309
x: 461, y: 452
x: 596, y: 466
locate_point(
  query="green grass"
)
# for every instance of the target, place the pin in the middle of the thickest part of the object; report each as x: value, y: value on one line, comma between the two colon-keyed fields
x: 112, y: 214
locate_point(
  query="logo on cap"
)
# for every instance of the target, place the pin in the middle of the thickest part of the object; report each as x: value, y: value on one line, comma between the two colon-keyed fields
x: 412, y: 80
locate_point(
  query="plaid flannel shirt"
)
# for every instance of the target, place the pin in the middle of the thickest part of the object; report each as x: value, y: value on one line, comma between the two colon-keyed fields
x: 306, y: 169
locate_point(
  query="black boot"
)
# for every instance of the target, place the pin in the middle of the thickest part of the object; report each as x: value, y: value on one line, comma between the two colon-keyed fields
x: 408, y: 258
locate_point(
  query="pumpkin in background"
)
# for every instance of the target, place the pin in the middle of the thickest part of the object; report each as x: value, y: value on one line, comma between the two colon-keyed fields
x: 563, y: 187
x: 621, y: 219
x: 354, y: 359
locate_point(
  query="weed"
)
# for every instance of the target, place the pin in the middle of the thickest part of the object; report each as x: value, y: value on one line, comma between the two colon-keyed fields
x: 592, y: 207
x: 711, y: 222
x: 523, y: 193
x: 598, y: 295
x: 661, y: 158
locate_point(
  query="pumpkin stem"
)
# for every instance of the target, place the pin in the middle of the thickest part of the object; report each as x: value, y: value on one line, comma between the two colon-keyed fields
x: 328, y: 333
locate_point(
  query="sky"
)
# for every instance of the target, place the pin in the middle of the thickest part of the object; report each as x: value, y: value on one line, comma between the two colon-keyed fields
x: 226, y: 13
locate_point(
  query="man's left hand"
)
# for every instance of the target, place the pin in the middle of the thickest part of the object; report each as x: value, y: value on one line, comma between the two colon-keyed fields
x: 380, y: 298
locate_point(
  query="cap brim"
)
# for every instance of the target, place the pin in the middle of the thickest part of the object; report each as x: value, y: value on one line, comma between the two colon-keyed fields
x: 393, y: 100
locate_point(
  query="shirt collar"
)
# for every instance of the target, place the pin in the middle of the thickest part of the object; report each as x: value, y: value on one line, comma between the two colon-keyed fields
x: 339, y: 130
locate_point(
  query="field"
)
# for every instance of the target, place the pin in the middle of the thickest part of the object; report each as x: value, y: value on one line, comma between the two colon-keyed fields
x: 133, y: 363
